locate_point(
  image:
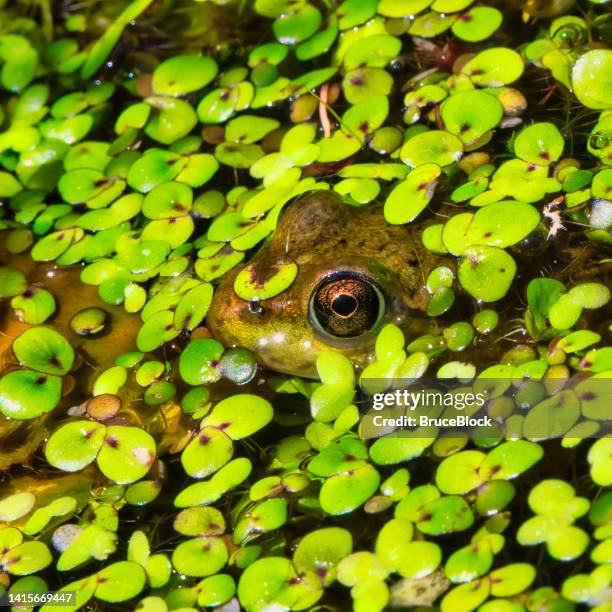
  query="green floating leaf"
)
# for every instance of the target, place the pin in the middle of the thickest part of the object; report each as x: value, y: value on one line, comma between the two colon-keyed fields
x: 183, y: 74
x: 44, y: 350
x: 75, y: 445
x: 502, y: 224
x: 453, y: 236
x: 539, y: 143
x: 470, y: 562
x: 12, y: 282
x: 511, y: 579
x: 363, y: 83
x: 159, y: 392
x: 432, y: 147
x: 171, y: 119
x: 120, y: 581
x: 25, y: 394
x: 9, y: 185
x: 471, y: 114
x: 567, y: 543
x: 359, y: 190
x: 494, y: 67
x: 486, y: 272
x: 467, y: 596
x: 567, y: 308
x: 389, y: 451
x: 27, y: 558
x: 459, y: 473
x: 17, y: 505
x: 340, y: 456
x: 220, y: 104
x: 207, y: 452
x: 402, y: 8
x: 320, y: 551
x: 199, y: 361
x: 441, y: 300
x: 510, y: 459
x: 88, y: 321
x: 263, y: 581
x: 167, y: 200
x: 34, y: 305
x: 297, y: 24
x: 240, y: 416
x: 192, y: 308
x: 20, y: 61
x: 199, y: 521
x: 431, y: 24
x: 445, y: 515
x: 599, y: 459
x: 250, y: 286
x: 343, y: 493
x: 156, y: 330
x: 142, y: 256
x: 362, y: 568
x: 127, y: 454
x: 375, y: 51
x: 154, y: 167
x: 354, y: 12
x: 552, y: 417
x: 320, y: 42
x: 248, y: 129
x: 202, y: 556
x: 591, y: 80
x: 477, y: 24
x: 53, y: 245
x: 266, y: 516
x: 228, y: 477
x: 494, y: 496
x: 216, y: 590
x: 410, y: 197
x: 411, y: 559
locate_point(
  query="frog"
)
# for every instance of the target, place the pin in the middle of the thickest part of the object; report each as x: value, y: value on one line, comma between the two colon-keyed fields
x: 355, y: 273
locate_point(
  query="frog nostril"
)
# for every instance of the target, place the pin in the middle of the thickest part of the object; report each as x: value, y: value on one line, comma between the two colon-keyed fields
x: 255, y: 307
x: 344, y: 305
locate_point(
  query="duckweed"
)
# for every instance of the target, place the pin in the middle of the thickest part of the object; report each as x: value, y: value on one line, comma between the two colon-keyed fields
x: 88, y: 321
x: 149, y: 155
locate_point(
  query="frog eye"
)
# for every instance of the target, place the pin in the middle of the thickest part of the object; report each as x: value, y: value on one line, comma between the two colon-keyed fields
x: 346, y: 305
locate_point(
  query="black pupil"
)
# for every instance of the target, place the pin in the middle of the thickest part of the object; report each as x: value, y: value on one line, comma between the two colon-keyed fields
x: 344, y: 305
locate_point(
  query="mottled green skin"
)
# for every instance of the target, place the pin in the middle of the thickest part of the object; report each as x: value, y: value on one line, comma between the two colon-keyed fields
x: 324, y: 235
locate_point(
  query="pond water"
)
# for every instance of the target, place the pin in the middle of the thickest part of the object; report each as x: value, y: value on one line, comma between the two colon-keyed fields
x: 229, y: 228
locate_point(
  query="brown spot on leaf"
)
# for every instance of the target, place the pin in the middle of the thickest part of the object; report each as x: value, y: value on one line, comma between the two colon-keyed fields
x: 112, y: 442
